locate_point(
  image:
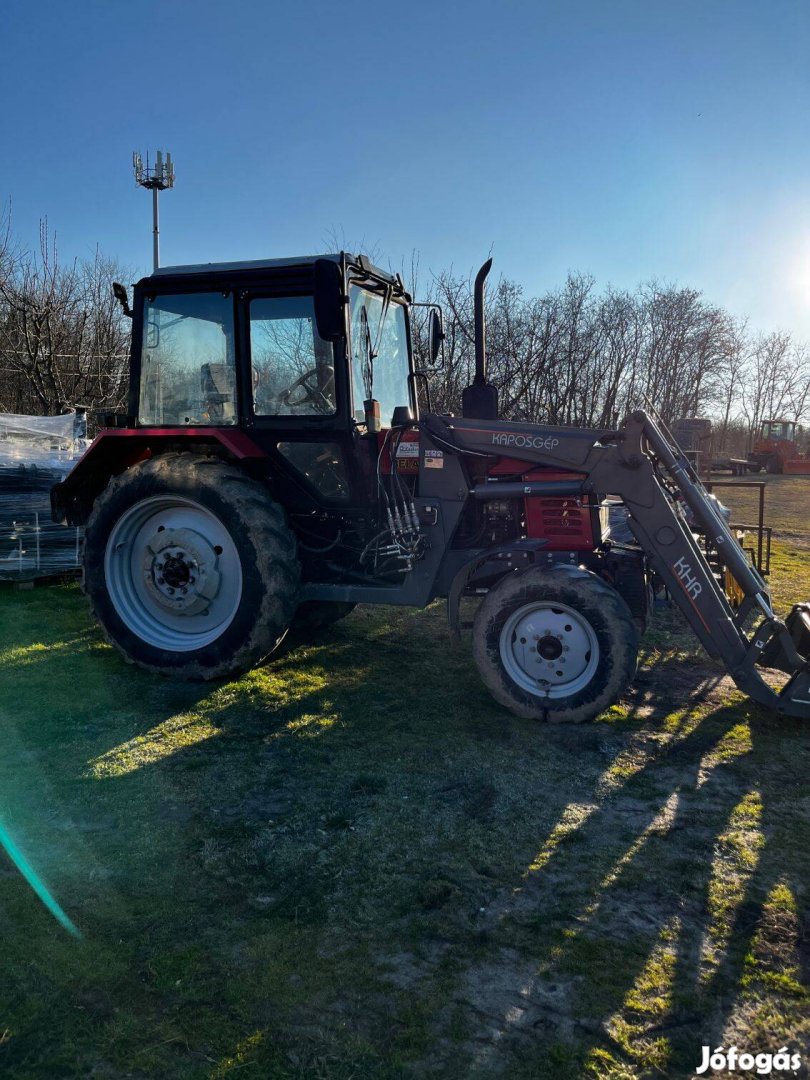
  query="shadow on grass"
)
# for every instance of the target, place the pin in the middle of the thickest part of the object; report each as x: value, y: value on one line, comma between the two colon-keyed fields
x: 276, y: 870
x: 640, y: 923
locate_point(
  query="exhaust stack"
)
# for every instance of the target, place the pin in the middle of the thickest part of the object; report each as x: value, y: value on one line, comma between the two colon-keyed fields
x: 479, y: 401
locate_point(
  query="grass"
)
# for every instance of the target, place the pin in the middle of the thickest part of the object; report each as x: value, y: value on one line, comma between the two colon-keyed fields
x: 352, y: 863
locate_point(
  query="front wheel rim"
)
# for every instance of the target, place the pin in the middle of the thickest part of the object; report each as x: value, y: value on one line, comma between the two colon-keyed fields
x: 173, y: 573
x: 549, y: 649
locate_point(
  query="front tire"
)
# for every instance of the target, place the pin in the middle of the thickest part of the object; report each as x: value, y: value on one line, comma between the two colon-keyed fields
x: 190, y: 567
x: 557, y: 645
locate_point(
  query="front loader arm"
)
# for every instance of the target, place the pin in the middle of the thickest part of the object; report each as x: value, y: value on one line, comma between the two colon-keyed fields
x: 628, y: 469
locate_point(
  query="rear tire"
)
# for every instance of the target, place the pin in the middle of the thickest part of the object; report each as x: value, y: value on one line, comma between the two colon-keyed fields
x: 190, y: 567
x: 556, y: 645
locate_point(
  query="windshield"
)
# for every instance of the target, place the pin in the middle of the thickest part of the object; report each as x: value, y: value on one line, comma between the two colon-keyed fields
x: 778, y: 429
x: 375, y: 330
x: 187, y: 361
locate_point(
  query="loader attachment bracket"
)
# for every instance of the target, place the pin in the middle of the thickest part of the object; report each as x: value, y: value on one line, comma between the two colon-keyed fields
x: 789, y: 646
x: 661, y: 479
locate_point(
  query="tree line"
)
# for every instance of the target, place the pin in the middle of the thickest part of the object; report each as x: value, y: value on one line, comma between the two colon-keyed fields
x: 577, y: 354
x: 587, y: 356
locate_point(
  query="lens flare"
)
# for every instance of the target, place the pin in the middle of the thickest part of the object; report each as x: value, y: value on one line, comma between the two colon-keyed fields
x: 35, y: 881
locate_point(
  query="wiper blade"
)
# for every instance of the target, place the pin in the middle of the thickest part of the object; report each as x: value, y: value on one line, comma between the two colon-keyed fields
x: 368, y: 363
x: 383, y: 316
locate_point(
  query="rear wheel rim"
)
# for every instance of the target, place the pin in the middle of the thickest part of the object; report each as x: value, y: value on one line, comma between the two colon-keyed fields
x: 549, y: 649
x: 173, y: 573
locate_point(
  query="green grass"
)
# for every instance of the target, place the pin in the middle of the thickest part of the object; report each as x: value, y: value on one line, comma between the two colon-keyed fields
x: 352, y: 863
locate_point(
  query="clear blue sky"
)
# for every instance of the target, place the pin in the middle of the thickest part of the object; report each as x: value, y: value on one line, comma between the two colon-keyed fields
x: 626, y: 139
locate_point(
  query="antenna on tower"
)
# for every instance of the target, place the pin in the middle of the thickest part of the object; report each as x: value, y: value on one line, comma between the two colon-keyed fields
x: 157, y: 177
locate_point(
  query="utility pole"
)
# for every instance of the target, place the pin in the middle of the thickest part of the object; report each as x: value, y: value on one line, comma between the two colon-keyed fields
x: 157, y: 177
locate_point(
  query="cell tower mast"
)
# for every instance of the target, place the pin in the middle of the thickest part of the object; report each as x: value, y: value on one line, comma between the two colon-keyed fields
x: 157, y: 177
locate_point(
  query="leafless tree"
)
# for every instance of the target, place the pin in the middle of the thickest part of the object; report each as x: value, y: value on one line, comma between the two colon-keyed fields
x: 63, y: 339
x: 575, y: 356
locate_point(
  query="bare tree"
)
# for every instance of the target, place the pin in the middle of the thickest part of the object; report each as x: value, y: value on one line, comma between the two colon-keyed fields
x: 63, y: 339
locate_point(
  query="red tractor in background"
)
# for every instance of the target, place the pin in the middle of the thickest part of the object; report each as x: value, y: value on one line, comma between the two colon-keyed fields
x: 775, y: 450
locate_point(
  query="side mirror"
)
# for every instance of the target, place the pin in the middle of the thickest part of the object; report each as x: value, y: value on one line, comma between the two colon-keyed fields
x: 330, y: 316
x: 435, y: 336
x: 120, y: 294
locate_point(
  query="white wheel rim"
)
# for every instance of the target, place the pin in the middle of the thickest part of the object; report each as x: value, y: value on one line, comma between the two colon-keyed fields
x: 549, y: 649
x: 173, y: 573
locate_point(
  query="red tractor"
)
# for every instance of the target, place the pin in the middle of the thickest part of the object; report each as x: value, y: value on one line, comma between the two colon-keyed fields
x: 274, y: 468
x: 775, y: 450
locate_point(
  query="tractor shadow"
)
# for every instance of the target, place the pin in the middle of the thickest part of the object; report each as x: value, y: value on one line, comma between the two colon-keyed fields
x: 645, y: 917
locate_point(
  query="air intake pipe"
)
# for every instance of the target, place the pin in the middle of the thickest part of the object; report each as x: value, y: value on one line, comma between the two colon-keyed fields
x: 479, y: 401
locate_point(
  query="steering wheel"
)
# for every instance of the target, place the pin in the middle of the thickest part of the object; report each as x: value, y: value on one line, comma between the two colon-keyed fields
x: 322, y: 398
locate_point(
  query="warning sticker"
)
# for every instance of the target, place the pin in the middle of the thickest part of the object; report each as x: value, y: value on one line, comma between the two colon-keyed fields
x: 434, y: 459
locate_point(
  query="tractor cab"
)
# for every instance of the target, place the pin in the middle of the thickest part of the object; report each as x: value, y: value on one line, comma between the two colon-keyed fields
x: 778, y: 431
x: 270, y: 344
x: 775, y: 448
x: 311, y: 357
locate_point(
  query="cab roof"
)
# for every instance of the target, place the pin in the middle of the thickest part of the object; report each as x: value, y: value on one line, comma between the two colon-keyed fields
x: 251, y: 264
x: 361, y: 261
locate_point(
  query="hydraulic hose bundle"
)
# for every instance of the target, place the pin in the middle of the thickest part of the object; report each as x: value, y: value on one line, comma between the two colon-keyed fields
x: 398, y: 546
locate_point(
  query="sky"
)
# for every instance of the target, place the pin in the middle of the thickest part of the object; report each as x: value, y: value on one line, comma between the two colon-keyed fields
x: 628, y: 140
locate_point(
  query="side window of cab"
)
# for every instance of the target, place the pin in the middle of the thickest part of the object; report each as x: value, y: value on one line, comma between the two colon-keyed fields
x: 188, y: 374
x: 292, y: 367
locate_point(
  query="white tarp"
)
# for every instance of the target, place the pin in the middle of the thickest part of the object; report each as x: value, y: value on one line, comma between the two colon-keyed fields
x: 51, y: 441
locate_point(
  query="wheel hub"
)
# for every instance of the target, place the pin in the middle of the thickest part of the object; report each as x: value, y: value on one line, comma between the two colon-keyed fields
x: 180, y: 570
x: 549, y: 649
x: 176, y: 571
x: 173, y: 572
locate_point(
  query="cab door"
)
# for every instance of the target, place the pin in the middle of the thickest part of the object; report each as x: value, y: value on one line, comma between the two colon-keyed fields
x: 298, y: 400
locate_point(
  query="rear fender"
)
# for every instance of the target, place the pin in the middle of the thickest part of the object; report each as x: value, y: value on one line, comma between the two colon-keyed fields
x: 116, y: 449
